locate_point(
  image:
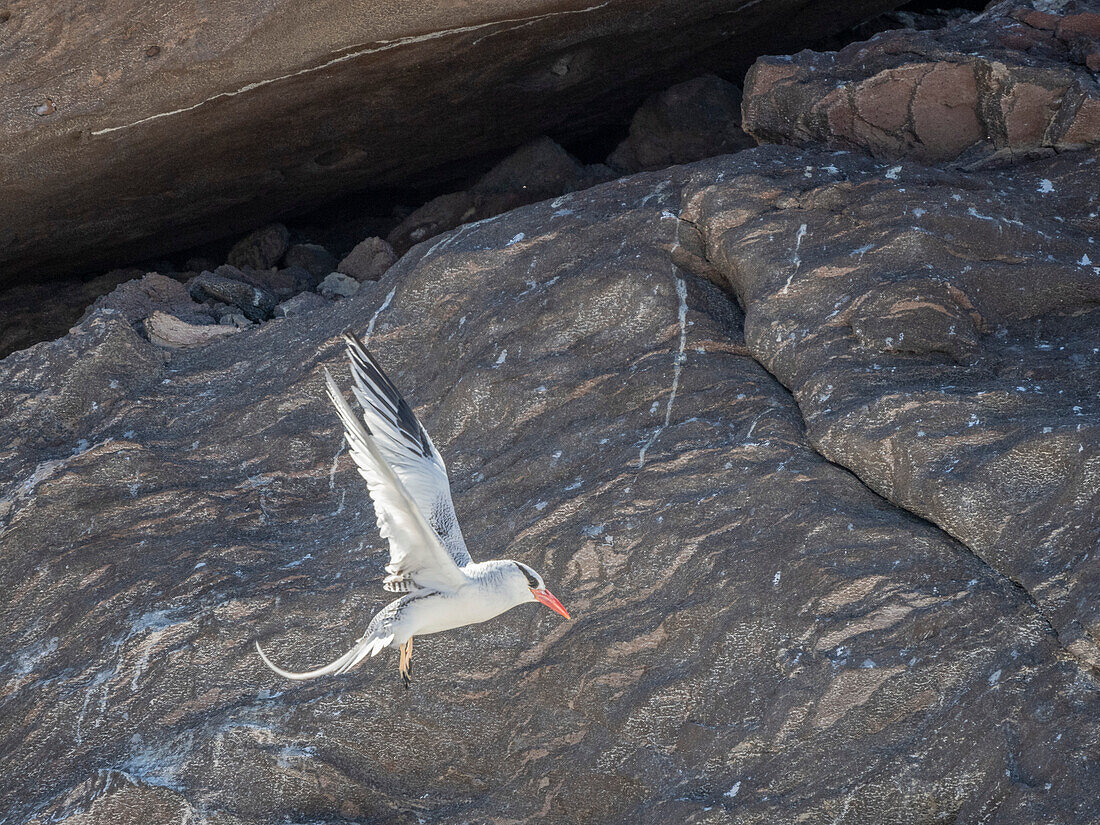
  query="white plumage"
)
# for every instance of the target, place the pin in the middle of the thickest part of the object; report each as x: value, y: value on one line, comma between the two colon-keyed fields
x: 429, y: 562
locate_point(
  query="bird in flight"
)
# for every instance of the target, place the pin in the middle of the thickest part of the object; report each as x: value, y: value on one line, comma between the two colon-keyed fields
x: 407, y: 480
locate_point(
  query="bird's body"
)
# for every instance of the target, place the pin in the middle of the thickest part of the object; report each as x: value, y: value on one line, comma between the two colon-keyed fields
x: 429, y: 562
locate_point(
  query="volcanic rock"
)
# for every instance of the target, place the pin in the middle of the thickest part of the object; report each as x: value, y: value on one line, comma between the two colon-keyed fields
x: 261, y: 249
x: 998, y: 85
x: 690, y: 121
x: 313, y: 258
x: 299, y: 305
x: 825, y: 560
x: 369, y: 260
x: 169, y: 331
x: 34, y: 312
x: 255, y: 302
x: 940, y: 333
x: 338, y: 285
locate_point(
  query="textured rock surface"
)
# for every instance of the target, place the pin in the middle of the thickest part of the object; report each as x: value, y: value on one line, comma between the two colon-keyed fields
x: 946, y: 352
x: 697, y: 119
x: 1014, y: 82
x: 159, y: 123
x: 758, y: 636
x: 30, y: 313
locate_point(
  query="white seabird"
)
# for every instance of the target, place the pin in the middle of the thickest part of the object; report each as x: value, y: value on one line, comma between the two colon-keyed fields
x: 407, y: 480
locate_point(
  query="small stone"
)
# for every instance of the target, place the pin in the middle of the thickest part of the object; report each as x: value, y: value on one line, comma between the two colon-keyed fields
x: 313, y: 258
x: 47, y: 108
x: 169, y: 331
x: 369, y: 260
x: 338, y: 285
x: 152, y: 51
x: 299, y: 305
x: 261, y: 249
x: 235, y: 319
x: 255, y: 302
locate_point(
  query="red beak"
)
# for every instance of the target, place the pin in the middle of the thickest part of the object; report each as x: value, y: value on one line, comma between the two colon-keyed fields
x: 550, y: 600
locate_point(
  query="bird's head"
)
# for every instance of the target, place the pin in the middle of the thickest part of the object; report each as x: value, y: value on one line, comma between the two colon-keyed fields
x: 531, y: 582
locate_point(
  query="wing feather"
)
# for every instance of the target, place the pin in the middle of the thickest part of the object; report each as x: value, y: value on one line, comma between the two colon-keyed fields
x: 416, y: 551
x: 407, y: 447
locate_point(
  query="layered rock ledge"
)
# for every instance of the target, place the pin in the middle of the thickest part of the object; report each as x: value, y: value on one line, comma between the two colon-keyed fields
x: 133, y: 128
x: 830, y: 555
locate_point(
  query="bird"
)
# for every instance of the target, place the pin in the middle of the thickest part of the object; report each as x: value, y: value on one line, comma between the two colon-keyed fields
x: 442, y: 587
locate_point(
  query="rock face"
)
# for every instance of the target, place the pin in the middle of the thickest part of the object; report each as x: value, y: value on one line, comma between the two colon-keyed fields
x: 830, y: 559
x: 1013, y: 82
x: 143, y: 125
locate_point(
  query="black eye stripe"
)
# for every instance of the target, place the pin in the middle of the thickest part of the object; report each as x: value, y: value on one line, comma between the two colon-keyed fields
x: 532, y: 582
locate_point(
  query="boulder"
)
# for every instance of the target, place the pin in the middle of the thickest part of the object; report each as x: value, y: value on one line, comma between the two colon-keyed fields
x: 1012, y: 83
x: 369, y: 260
x: 539, y: 170
x: 158, y: 125
x: 255, y: 302
x: 690, y: 121
x: 169, y: 331
x: 816, y: 574
x: 313, y: 258
x: 261, y: 249
x: 338, y: 285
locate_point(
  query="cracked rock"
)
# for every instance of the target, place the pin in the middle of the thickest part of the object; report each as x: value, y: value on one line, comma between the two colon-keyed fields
x: 1012, y: 84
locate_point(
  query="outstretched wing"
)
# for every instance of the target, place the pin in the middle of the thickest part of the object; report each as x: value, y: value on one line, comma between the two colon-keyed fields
x: 407, y: 448
x: 416, y: 553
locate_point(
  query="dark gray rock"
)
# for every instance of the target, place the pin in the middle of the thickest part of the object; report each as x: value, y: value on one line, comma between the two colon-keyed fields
x: 940, y: 333
x: 338, y: 285
x: 690, y: 121
x: 300, y: 305
x: 256, y: 303
x: 261, y: 249
x: 759, y: 636
x: 313, y: 258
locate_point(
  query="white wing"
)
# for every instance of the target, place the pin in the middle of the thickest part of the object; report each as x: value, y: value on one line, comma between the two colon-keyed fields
x: 416, y: 552
x: 407, y: 448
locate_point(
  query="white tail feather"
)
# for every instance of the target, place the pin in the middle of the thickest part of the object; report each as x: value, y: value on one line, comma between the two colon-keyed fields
x: 367, y: 646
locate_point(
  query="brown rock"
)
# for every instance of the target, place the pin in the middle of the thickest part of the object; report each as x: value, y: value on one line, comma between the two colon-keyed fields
x: 369, y: 260
x: 945, y: 110
x: 245, y: 115
x: 261, y: 249
x: 1084, y: 24
x: 992, y: 89
x: 690, y: 121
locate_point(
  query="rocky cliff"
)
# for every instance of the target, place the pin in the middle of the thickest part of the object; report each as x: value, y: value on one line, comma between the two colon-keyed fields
x: 806, y: 439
